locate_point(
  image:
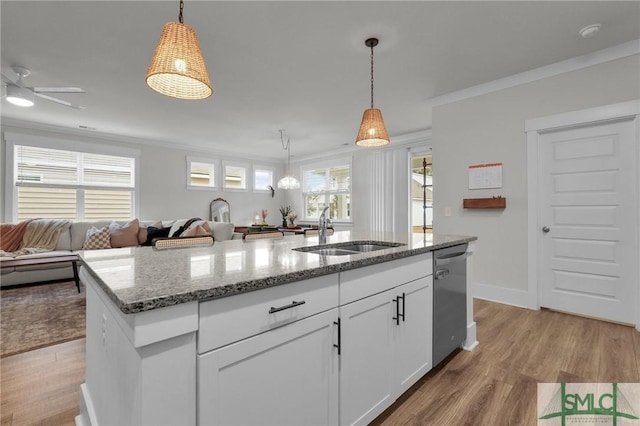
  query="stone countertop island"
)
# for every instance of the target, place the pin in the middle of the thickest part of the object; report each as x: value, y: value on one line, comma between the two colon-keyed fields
x: 141, y: 278
x: 258, y: 332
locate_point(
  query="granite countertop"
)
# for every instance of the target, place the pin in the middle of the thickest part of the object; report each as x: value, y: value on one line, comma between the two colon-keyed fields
x: 138, y: 279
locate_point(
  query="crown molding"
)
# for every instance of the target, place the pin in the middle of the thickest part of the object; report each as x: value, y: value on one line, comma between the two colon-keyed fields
x: 108, y: 138
x: 408, y: 140
x: 620, y: 51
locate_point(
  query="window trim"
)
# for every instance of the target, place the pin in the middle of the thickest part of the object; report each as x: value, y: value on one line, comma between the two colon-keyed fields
x: 13, y: 139
x: 327, y: 164
x: 215, y: 174
x: 270, y: 169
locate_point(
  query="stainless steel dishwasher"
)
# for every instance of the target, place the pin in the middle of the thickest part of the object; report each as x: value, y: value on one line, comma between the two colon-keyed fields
x: 449, y: 300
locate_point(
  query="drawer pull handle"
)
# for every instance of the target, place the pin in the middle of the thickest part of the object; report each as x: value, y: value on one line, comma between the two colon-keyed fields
x: 289, y: 306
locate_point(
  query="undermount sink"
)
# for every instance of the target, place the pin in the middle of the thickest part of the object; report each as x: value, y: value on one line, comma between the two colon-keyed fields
x: 350, y: 248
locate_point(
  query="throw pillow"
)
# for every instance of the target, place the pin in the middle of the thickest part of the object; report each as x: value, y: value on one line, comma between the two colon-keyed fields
x: 124, y: 235
x: 197, y: 230
x: 97, y: 239
x: 143, y: 231
x: 153, y: 232
x: 222, y: 231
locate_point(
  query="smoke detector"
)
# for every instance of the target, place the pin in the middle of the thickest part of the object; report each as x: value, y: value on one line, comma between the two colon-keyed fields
x: 590, y: 30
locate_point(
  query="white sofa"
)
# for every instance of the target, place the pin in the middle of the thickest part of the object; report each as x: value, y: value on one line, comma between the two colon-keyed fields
x: 70, y: 240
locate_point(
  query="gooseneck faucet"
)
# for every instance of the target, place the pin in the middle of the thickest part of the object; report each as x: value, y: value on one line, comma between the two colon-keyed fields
x: 322, y: 227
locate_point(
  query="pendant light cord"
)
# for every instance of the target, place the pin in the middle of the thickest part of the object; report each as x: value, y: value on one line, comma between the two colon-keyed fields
x: 287, y: 148
x: 182, y: 7
x: 371, y: 77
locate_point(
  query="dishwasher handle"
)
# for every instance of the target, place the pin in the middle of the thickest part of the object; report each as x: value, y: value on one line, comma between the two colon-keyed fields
x: 451, y: 258
x: 441, y: 273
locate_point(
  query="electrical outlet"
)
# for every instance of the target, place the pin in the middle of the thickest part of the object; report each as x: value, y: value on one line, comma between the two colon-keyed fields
x: 447, y: 211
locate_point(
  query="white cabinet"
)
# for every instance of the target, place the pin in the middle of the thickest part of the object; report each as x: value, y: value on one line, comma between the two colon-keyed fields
x: 270, y: 357
x: 287, y: 376
x: 366, y: 358
x: 386, y: 339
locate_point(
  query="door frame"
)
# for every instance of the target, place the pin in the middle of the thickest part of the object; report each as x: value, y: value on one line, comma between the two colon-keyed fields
x: 533, y: 129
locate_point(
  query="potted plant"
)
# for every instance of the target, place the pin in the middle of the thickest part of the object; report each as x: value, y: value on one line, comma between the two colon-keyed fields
x: 284, y: 211
x: 292, y: 219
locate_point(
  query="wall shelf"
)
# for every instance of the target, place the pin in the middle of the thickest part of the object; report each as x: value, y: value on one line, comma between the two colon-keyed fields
x: 484, y: 203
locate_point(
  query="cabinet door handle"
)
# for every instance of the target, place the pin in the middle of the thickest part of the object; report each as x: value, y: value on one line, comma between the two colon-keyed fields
x: 397, y: 317
x: 339, y: 344
x: 403, y: 306
x: 289, y: 306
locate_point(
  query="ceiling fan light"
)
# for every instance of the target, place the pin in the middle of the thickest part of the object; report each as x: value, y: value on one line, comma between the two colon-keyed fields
x: 372, y: 131
x: 177, y: 68
x: 19, y: 96
x: 288, y: 182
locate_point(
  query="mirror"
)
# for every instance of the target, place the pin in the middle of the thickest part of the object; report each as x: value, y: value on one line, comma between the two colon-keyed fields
x: 220, y: 211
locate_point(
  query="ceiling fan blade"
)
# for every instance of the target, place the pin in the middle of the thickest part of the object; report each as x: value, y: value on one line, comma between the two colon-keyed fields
x: 58, y: 101
x: 6, y: 79
x: 56, y: 89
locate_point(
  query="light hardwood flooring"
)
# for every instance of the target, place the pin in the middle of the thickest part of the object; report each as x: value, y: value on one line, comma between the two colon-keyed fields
x: 493, y: 385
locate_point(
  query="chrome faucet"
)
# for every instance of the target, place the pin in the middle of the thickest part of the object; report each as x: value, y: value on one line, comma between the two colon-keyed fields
x: 322, y: 226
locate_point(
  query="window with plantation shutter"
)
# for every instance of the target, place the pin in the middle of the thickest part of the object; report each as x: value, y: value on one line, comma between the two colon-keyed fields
x: 53, y: 183
x: 327, y: 186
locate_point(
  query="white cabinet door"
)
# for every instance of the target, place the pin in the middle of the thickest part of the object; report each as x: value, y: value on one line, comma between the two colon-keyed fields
x: 386, y: 346
x: 286, y: 376
x: 366, y: 358
x: 413, y: 344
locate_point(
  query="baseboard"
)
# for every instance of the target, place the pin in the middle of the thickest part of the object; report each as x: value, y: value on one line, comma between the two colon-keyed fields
x: 87, y: 416
x: 508, y: 296
x: 471, y: 341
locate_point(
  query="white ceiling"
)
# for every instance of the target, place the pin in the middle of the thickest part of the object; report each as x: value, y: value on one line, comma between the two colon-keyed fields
x: 300, y: 66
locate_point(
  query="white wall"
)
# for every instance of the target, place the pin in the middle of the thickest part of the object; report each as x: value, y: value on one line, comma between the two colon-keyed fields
x: 163, y: 171
x: 490, y: 128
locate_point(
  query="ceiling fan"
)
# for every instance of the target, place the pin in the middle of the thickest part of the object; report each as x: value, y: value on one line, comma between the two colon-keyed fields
x: 19, y: 94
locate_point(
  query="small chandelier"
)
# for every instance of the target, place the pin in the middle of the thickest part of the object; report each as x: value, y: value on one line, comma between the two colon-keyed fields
x: 288, y: 181
x: 177, y: 68
x: 372, y: 131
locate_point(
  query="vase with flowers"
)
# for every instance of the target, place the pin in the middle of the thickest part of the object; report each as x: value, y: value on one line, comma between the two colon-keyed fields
x: 292, y: 219
x: 284, y: 211
x: 263, y: 213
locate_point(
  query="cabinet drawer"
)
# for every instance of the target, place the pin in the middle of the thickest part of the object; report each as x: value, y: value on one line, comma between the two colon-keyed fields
x: 358, y: 283
x: 233, y: 318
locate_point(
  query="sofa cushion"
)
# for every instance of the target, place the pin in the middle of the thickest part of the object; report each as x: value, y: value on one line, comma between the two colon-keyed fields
x: 124, y: 235
x: 222, y: 231
x: 97, y: 239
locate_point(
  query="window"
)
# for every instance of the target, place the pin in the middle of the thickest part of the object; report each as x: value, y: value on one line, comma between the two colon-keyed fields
x: 235, y: 176
x: 53, y: 183
x: 201, y: 174
x: 327, y: 186
x: 262, y: 178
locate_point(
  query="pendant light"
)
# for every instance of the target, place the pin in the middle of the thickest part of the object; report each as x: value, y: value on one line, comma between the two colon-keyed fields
x: 372, y: 131
x: 177, y: 68
x: 288, y: 181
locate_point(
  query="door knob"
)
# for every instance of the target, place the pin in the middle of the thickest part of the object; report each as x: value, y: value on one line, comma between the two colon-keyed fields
x: 545, y: 229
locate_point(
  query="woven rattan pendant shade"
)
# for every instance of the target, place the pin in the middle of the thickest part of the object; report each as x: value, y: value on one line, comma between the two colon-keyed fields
x: 372, y: 131
x: 177, y: 68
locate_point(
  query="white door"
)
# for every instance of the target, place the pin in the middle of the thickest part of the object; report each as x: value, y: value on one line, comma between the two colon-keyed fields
x: 587, y: 221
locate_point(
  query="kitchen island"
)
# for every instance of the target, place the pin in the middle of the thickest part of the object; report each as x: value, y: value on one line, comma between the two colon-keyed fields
x: 261, y: 332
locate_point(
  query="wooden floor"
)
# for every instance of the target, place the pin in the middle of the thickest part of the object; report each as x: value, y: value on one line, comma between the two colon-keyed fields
x: 493, y: 385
